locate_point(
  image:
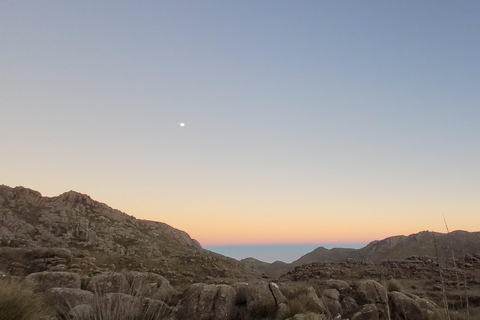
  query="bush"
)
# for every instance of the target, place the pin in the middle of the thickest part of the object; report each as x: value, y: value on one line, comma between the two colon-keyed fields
x: 394, y: 285
x: 300, y: 304
x: 120, y: 306
x: 18, y: 302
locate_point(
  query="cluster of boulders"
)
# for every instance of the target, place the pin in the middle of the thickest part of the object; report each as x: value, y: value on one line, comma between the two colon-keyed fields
x: 76, y: 295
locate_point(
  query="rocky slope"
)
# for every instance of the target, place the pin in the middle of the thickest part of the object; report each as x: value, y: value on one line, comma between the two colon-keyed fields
x: 31, y: 224
x: 424, y: 243
x: 434, y: 245
x: 84, y: 257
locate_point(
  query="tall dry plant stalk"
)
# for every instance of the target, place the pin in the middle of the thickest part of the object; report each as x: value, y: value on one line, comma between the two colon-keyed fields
x: 456, y: 273
x: 444, y: 295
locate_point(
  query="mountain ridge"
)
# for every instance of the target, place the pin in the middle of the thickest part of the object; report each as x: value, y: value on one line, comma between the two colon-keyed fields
x: 93, y: 231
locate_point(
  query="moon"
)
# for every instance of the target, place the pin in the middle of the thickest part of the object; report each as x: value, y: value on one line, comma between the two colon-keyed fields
x: 182, y: 124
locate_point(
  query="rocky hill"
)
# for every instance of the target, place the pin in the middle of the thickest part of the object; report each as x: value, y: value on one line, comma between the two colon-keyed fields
x: 428, y: 244
x: 109, y: 237
x: 425, y: 243
x: 82, y: 257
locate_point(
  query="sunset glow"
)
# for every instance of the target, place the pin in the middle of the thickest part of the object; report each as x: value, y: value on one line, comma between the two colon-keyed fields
x: 249, y: 122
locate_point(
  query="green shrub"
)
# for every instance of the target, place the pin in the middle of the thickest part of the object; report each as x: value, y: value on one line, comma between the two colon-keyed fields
x: 18, y: 302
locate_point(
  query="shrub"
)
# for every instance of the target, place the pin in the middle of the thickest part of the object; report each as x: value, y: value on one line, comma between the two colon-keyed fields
x: 300, y: 304
x: 18, y: 302
x: 394, y: 285
x: 120, y: 306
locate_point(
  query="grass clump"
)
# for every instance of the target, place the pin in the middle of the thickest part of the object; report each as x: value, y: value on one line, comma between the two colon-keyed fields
x: 120, y: 306
x: 130, y: 304
x: 18, y: 302
x: 394, y: 285
x: 301, y: 304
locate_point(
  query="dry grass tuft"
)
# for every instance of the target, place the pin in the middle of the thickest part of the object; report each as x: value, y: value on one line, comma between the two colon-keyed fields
x: 124, y: 307
x: 18, y: 302
x: 394, y: 285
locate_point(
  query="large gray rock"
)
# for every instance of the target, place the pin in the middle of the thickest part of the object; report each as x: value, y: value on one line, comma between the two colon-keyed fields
x: 312, y: 299
x: 260, y: 300
x: 207, y: 302
x: 404, y: 307
x: 370, y: 291
x: 430, y: 310
x: 340, y: 285
x: 69, y: 297
x: 277, y: 294
x: 82, y: 311
x: 153, y: 286
x: 348, y: 304
x: 111, y: 282
x: 331, y: 299
x: 43, y: 281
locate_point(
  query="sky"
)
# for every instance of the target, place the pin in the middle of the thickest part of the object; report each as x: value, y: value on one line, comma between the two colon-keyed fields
x: 306, y: 122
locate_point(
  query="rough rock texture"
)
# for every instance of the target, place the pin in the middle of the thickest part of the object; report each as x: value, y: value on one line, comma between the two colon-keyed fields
x: 108, y: 282
x: 68, y: 297
x: 403, y: 307
x: 81, y: 311
x: 260, y: 298
x: 308, y: 316
x: 340, y: 285
x: 331, y: 298
x: 74, y: 233
x: 75, y: 219
x: 205, y: 302
x: 365, y: 312
x: 400, y: 248
x: 370, y: 291
x: 43, y: 281
x: 153, y: 286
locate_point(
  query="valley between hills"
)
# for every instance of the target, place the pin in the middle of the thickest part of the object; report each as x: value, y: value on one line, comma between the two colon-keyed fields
x: 82, y: 257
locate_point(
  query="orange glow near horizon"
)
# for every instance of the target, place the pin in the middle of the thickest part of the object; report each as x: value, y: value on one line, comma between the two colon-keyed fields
x: 219, y: 224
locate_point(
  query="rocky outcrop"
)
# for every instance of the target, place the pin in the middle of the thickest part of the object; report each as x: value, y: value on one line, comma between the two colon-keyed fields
x: 69, y: 297
x: 207, y: 302
x: 108, y: 282
x: 403, y: 307
x: 74, y: 233
x: 74, y: 219
x: 401, y: 247
x: 43, y: 281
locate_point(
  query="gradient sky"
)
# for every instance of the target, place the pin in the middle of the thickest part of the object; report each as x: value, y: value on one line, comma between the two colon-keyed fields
x: 306, y: 121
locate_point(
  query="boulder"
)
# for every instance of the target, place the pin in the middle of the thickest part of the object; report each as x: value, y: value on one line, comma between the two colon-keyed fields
x: 312, y: 299
x: 260, y: 300
x: 403, y: 307
x: 81, y: 311
x: 331, y: 299
x: 277, y: 294
x: 340, y: 285
x: 224, y: 302
x: 153, y: 286
x: 429, y: 309
x: 69, y: 297
x: 370, y: 291
x: 110, y: 282
x: 207, y: 302
x: 42, y: 281
x: 365, y: 312
x: 348, y: 304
